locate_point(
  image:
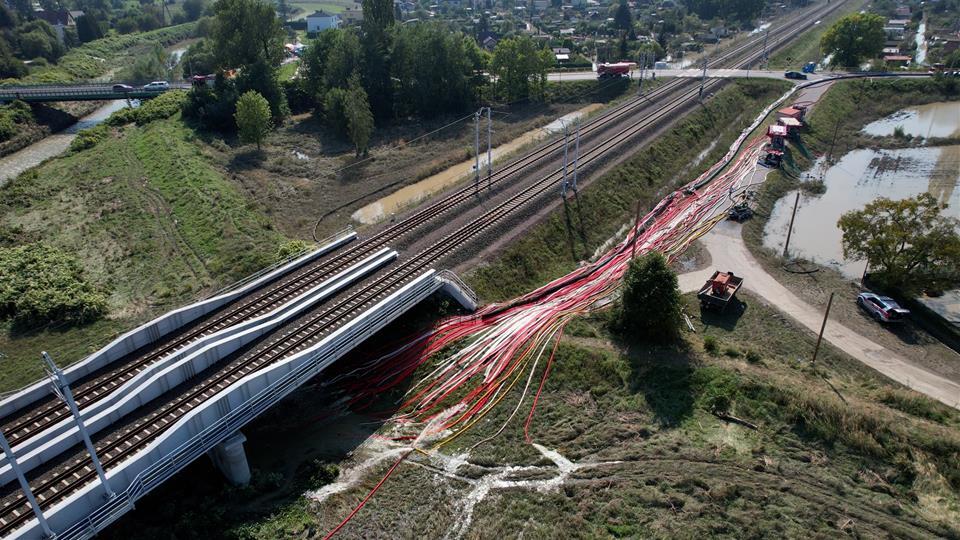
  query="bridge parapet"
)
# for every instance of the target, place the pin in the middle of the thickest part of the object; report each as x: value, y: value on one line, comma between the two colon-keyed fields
x: 163, y: 325
x: 85, y: 513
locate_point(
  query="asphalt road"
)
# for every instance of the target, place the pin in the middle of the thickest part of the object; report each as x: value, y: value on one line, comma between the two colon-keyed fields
x: 692, y: 73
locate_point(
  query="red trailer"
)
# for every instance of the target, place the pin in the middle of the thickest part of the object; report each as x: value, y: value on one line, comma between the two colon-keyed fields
x: 620, y: 69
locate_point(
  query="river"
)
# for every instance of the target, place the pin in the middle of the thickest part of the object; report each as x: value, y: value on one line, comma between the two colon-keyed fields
x: 12, y: 165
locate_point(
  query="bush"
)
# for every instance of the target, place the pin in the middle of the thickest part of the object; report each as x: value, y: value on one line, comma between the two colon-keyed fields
x: 711, y: 344
x: 292, y: 248
x: 163, y: 106
x: 88, y: 138
x: 650, y: 307
x: 7, y: 127
x: 41, y: 284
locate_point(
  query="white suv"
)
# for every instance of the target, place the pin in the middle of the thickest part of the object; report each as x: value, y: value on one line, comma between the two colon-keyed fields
x: 156, y: 86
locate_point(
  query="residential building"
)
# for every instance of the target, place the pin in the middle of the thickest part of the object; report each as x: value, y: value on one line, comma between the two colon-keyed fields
x: 321, y: 20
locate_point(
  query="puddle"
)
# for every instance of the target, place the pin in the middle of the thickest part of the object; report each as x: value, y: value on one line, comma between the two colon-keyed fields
x: 930, y: 120
x: 860, y: 177
x: 414, y: 193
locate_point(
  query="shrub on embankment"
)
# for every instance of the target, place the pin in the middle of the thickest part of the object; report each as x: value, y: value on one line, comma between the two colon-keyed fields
x: 573, y: 232
x: 40, y: 284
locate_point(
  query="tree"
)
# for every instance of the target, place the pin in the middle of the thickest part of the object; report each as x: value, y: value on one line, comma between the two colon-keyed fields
x: 649, y: 309
x: 908, y: 244
x: 10, y: 66
x: 245, y: 32
x: 375, y: 70
x: 199, y: 59
x: 89, y: 28
x: 520, y: 67
x: 253, y: 118
x: 623, y: 19
x: 853, y: 38
x: 377, y: 16
x: 359, y: 117
x: 193, y: 9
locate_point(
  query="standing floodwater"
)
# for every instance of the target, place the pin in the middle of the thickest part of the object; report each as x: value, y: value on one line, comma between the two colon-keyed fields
x: 859, y: 178
x: 930, y: 120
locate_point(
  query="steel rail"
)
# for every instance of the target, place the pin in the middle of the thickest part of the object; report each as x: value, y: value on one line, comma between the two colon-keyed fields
x: 334, y: 316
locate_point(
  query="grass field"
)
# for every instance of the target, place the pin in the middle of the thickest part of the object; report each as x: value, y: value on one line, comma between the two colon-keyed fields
x: 331, y: 6
x: 153, y: 223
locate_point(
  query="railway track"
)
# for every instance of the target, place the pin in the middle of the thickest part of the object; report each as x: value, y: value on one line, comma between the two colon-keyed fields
x: 58, y: 483
x: 92, y: 389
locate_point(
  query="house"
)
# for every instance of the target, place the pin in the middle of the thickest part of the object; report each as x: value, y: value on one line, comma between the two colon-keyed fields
x: 567, y: 31
x: 321, y: 20
x: 896, y: 59
x: 903, y: 12
x: 891, y: 50
x: 898, y: 23
x: 489, y: 43
x: 354, y: 15
x: 894, y: 33
x: 950, y: 45
x: 59, y: 19
x: 707, y: 37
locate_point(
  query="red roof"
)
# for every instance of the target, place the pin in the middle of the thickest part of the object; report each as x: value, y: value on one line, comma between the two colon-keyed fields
x: 792, y: 112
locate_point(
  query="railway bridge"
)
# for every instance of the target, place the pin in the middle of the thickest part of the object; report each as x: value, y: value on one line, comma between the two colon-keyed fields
x: 164, y: 394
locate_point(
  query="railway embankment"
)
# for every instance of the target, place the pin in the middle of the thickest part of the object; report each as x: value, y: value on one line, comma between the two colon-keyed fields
x: 573, y: 232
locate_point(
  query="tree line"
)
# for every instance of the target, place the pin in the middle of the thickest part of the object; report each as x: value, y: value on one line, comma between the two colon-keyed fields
x: 355, y: 78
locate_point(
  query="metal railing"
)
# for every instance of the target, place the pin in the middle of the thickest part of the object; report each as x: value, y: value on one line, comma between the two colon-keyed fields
x: 259, y: 273
x: 353, y: 333
x: 452, y: 277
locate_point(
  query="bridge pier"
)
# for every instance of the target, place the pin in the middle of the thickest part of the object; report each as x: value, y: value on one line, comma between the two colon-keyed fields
x: 230, y: 458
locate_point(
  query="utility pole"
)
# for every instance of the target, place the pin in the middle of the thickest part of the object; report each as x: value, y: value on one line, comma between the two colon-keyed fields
x: 786, y: 246
x: 643, y: 66
x: 766, y: 35
x: 636, y: 233
x: 836, y: 130
x: 566, y: 145
x: 703, y: 77
x: 62, y: 390
x: 576, y: 157
x: 476, y: 150
x: 489, y: 150
x: 822, y: 327
x: 25, y: 486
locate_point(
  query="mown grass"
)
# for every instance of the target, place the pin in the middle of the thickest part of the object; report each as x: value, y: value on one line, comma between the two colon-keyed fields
x: 152, y: 222
x: 572, y: 233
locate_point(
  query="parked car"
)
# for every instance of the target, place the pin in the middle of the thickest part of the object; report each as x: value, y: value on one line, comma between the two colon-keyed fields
x: 795, y: 75
x: 156, y: 86
x: 122, y: 88
x: 882, y: 308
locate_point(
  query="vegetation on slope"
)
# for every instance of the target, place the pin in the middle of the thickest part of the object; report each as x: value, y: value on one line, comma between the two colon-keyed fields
x: 150, y: 220
x: 572, y: 233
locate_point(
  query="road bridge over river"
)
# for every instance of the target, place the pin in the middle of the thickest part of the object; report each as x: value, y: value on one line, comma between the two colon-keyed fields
x: 45, y: 93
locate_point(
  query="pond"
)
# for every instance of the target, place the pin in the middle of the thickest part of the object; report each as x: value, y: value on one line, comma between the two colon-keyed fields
x: 857, y: 179
x: 930, y: 120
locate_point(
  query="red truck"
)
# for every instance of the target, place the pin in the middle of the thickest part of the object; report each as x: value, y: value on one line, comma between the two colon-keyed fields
x: 619, y: 69
x: 719, y: 290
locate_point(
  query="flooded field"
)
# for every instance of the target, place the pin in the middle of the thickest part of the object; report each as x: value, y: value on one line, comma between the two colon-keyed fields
x: 414, y: 193
x: 860, y: 177
x: 930, y: 120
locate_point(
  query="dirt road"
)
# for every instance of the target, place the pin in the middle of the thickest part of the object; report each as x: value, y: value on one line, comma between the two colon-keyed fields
x: 729, y: 252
